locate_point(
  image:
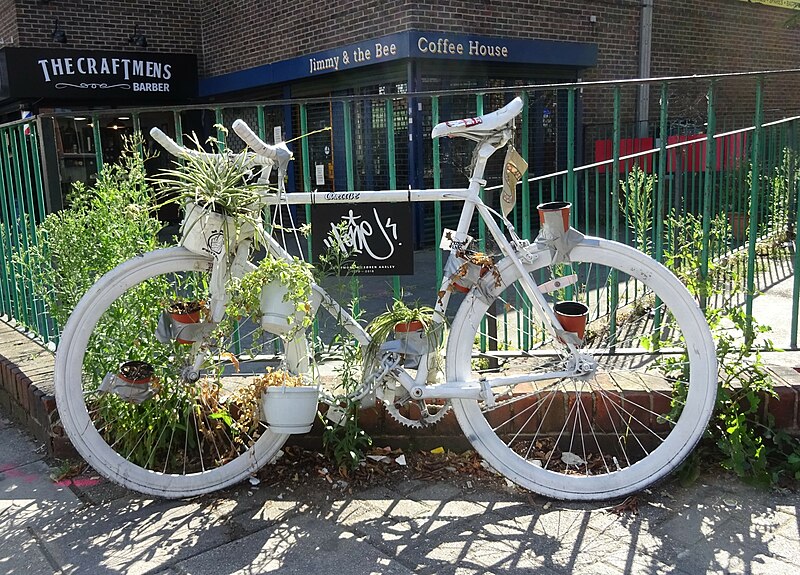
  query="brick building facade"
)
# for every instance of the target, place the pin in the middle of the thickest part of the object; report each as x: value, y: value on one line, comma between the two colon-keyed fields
x: 227, y: 36
x: 254, y: 50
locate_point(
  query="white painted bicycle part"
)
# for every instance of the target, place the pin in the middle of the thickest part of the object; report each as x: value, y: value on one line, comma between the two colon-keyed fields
x: 192, y: 456
x: 616, y: 411
x: 481, y: 126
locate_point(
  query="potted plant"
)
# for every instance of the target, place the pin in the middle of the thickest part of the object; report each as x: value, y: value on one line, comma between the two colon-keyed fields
x: 219, y: 198
x: 737, y: 202
x: 465, y: 268
x: 289, y: 402
x: 182, y: 314
x: 412, y: 328
x: 132, y: 381
x: 277, y: 293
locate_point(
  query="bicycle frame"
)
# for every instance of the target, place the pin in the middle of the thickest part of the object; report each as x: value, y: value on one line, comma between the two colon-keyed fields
x: 470, y: 196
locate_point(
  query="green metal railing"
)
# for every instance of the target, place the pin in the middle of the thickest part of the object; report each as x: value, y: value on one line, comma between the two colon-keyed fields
x: 21, y: 209
x: 580, y: 140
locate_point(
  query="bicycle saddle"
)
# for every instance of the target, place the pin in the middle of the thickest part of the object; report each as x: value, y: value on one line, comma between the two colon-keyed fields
x: 481, y: 126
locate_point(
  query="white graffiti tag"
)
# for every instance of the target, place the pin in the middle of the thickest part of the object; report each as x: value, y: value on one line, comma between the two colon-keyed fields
x: 358, y: 237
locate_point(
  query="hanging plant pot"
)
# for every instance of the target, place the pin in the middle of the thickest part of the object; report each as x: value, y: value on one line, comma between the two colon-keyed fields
x: 572, y: 315
x: 290, y: 409
x: 207, y: 232
x: 183, y: 314
x: 279, y: 316
x: 132, y: 382
x: 465, y: 270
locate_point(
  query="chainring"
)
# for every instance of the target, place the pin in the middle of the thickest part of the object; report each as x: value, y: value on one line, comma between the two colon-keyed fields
x: 435, y: 412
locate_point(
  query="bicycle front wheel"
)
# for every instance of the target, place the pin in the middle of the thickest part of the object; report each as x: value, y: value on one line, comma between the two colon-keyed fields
x: 628, y: 420
x: 175, y: 436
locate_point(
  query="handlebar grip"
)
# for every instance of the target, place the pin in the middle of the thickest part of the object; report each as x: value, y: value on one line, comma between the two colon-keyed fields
x: 279, y: 153
x: 168, y: 143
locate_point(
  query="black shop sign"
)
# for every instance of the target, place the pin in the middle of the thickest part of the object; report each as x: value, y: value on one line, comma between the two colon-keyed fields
x: 378, y: 235
x: 96, y: 74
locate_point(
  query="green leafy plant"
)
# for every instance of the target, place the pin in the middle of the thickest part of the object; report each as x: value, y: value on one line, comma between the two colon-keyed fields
x: 745, y: 441
x: 637, y: 203
x: 295, y: 275
x: 382, y: 325
x: 221, y: 184
x: 102, y: 226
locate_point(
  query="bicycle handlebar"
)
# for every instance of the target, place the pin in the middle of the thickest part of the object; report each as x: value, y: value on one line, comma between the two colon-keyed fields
x: 279, y: 152
x: 266, y: 158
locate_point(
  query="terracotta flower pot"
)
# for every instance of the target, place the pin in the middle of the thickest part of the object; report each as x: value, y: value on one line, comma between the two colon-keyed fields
x: 136, y: 372
x: 573, y: 316
x: 184, y: 313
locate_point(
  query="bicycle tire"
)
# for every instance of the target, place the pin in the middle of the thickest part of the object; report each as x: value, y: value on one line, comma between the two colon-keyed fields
x: 600, y: 399
x: 140, y: 273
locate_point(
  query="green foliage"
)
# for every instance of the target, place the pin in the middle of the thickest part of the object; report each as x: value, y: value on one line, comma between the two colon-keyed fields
x: 344, y: 440
x: 294, y: 275
x: 382, y: 326
x: 746, y: 442
x: 637, y: 203
x: 102, y: 226
x: 223, y: 183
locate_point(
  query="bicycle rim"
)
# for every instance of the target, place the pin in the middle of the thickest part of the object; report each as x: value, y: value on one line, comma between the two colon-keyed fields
x: 611, y: 432
x: 187, y: 439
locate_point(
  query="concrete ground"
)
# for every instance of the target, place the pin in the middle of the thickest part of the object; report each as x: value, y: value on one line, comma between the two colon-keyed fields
x: 307, y: 525
x: 458, y: 526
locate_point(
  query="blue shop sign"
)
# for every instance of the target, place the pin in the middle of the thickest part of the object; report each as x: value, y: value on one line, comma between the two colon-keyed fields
x: 410, y: 44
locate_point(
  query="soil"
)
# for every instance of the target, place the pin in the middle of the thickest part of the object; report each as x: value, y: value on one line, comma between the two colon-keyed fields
x: 136, y: 370
x: 383, y: 466
x: 185, y: 307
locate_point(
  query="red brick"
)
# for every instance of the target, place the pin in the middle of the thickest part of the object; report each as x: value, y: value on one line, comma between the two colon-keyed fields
x: 637, y: 410
x: 553, y: 411
x: 784, y: 407
x: 661, y: 406
x: 607, y: 411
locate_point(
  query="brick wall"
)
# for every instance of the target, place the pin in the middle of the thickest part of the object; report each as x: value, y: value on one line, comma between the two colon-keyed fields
x: 8, y: 21
x: 170, y: 25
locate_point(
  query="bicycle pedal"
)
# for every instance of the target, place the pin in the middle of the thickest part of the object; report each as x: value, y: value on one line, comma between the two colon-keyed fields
x: 558, y: 283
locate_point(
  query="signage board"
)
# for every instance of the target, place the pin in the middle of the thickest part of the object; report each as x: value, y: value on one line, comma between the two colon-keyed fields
x: 790, y: 4
x: 378, y: 235
x: 414, y: 44
x: 96, y: 74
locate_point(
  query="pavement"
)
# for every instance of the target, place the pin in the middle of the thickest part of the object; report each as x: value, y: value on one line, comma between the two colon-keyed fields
x: 455, y: 527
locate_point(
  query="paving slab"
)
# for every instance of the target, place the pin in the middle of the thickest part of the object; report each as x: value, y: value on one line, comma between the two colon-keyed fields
x: 302, y: 545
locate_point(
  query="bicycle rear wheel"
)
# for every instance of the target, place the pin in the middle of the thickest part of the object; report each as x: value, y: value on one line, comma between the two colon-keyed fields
x: 192, y: 436
x: 622, y: 426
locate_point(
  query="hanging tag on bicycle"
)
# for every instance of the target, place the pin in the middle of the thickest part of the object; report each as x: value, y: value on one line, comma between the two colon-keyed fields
x: 514, y: 167
x: 449, y: 237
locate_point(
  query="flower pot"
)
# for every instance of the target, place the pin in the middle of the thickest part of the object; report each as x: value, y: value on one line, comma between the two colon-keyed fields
x: 290, y: 409
x: 280, y: 316
x: 136, y: 372
x: 207, y: 232
x: 464, y: 272
x: 131, y: 382
x: 412, y: 341
x: 554, y: 217
x: 740, y: 225
x: 184, y: 314
x: 572, y: 316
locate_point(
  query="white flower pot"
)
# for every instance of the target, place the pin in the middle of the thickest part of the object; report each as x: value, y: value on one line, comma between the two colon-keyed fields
x: 206, y: 232
x: 277, y: 311
x: 289, y: 409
